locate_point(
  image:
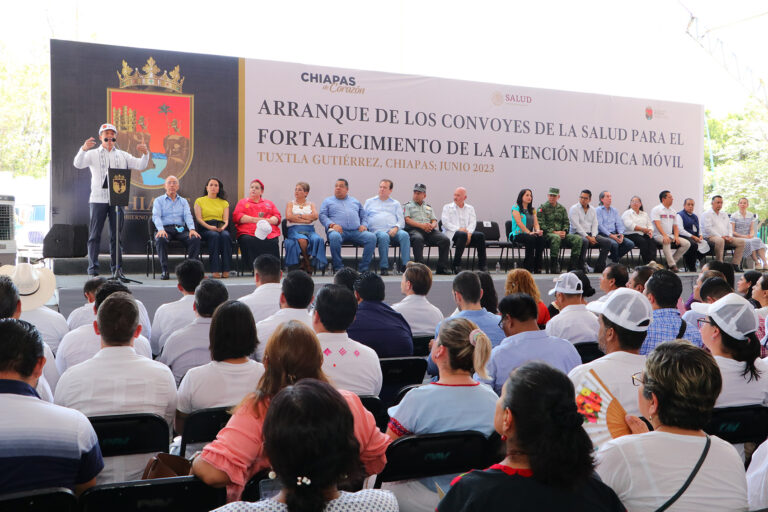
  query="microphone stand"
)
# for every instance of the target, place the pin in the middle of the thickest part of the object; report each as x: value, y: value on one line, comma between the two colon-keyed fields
x: 117, y: 273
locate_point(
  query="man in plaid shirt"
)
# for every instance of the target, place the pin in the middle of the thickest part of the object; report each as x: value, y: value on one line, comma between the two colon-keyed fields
x: 663, y: 290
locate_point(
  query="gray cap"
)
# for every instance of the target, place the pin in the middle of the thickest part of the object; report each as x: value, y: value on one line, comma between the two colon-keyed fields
x: 419, y: 187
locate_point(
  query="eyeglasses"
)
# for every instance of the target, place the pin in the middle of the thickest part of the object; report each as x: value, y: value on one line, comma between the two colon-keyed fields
x: 638, y: 379
x: 501, y: 323
x: 107, y: 139
x: 701, y: 321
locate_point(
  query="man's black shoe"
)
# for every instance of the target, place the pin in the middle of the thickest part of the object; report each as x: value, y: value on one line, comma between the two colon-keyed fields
x: 443, y: 272
x: 384, y: 272
x: 164, y: 276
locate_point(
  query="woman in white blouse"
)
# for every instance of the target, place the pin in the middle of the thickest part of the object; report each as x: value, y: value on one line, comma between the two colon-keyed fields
x: 639, y: 229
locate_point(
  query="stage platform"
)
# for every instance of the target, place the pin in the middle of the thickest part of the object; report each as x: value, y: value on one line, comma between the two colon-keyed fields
x: 154, y: 292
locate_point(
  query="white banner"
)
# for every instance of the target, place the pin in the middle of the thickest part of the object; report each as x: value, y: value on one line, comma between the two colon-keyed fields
x: 317, y: 124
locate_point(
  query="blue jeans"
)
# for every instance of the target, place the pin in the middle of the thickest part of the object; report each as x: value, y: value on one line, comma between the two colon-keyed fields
x: 618, y: 250
x: 315, y: 245
x: 400, y: 239
x: 219, y: 249
x: 365, y: 239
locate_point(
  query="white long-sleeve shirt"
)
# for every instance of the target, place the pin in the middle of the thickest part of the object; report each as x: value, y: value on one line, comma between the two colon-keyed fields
x: 582, y: 222
x: 716, y: 224
x: 99, y: 160
x: 455, y: 218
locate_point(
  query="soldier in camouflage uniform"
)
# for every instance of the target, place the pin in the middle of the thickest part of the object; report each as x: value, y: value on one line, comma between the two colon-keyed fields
x: 553, y: 219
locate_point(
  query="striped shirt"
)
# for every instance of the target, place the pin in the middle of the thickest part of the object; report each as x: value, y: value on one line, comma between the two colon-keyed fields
x: 42, y: 444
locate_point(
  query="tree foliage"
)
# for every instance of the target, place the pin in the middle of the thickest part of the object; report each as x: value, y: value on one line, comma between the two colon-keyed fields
x: 739, y: 145
x: 25, y: 116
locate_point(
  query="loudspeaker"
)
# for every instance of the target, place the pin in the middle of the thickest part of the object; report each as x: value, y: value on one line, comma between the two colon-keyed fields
x: 66, y: 241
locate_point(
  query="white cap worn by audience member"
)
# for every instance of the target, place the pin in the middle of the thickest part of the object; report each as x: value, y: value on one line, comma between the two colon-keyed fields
x: 263, y: 228
x: 107, y: 126
x: 626, y: 308
x: 35, y: 285
x: 567, y: 283
x: 732, y: 313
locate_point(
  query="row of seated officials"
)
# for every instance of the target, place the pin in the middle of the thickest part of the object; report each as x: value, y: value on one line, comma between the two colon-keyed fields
x: 515, y: 372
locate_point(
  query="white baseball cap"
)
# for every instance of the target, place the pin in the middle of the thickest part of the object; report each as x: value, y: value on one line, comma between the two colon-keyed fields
x: 732, y: 313
x: 567, y: 283
x: 263, y: 228
x: 626, y: 308
x: 107, y: 126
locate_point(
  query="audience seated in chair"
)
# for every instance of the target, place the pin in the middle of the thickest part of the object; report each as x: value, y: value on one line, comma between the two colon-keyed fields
x: 346, y: 277
x: 43, y: 445
x: 639, y: 277
x: 349, y: 365
x: 519, y: 280
x: 237, y: 454
x: 728, y: 331
x: 84, y: 342
x: 678, y: 389
x: 614, y: 277
x: 117, y: 380
x: 420, y: 314
x: 231, y: 374
x: 36, y: 287
x: 265, y: 299
x: 84, y: 314
x: 624, y: 320
x: 10, y: 307
x: 549, y: 464
x: 296, y: 296
x: 309, y: 436
x: 663, y: 290
x: 525, y: 342
x: 573, y: 323
x: 467, y: 293
x: 189, y: 347
x: 455, y: 402
x: 376, y: 324
x: 172, y: 316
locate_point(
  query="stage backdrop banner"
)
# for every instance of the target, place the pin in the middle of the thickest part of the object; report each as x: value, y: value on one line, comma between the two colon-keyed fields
x: 183, y: 106
x: 316, y: 124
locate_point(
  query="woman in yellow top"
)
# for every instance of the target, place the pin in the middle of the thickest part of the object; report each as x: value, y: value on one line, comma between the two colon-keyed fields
x: 212, y: 214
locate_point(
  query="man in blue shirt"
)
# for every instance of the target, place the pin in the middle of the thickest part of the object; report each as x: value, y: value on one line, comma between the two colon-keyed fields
x: 173, y: 220
x: 384, y: 218
x: 610, y: 228
x: 525, y: 342
x: 467, y: 293
x: 41, y: 444
x: 663, y: 289
x: 376, y: 324
x: 344, y: 220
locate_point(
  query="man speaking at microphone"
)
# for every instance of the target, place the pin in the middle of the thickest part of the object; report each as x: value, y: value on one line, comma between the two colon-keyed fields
x: 99, y: 161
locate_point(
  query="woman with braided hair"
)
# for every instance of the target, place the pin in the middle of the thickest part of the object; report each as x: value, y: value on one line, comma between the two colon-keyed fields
x: 549, y: 463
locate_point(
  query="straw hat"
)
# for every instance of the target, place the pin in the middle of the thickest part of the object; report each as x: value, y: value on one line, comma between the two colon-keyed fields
x: 35, y: 284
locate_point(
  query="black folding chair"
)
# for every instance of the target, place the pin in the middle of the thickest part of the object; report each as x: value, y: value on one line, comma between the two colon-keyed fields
x: 398, y: 372
x: 493, y: 239
x: 127, y: 434
x: 375, y: 407
x: 59, y: 499
x: 421, y: 345
x: 252, y: 490
x: 434, y: 454
x: 515, y: 248
x: 404, y: 391
x: 748, y: 423
x: 161, y: 494
x: 203, y: 425
x: 152, y: 248
x: 589, y: 351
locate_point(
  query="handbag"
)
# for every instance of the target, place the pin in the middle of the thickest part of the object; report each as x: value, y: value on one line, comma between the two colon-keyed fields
x: 165, y: 465
x: 696, y: 468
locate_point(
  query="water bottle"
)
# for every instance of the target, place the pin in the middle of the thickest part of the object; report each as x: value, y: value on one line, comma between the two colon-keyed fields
x: 498, y: 267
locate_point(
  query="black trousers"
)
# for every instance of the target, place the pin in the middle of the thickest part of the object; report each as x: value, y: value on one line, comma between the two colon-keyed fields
x: 534, y: 249
x: 253, y: 247
x: 646, y: 244
x: 435, y: 238
x: 191, y: 243
x: 460, y: 242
